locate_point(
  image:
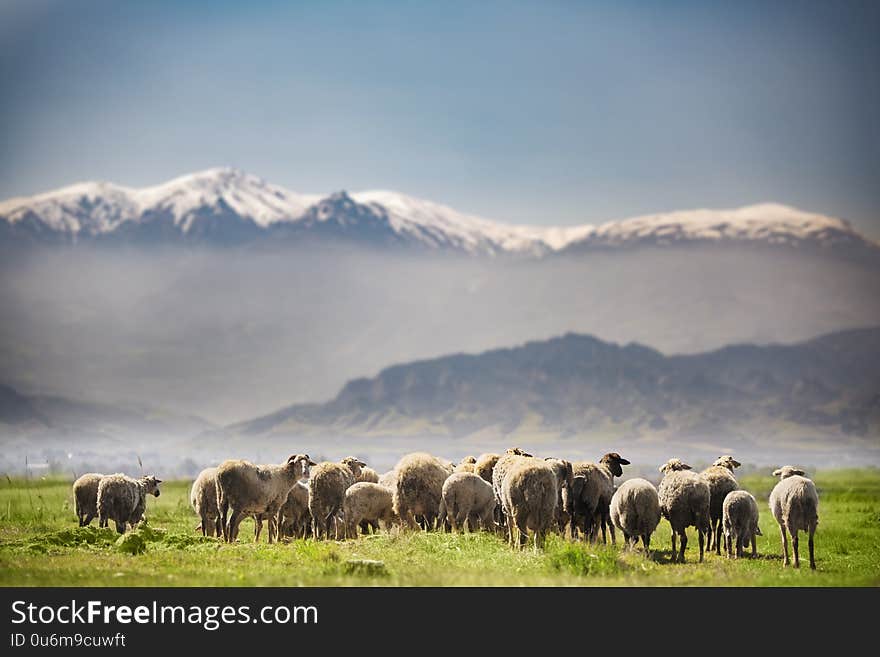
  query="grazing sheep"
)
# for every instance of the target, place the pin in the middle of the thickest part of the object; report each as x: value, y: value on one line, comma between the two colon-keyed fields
x: 369, y: 475
x: 564, y: 476
x: 466, y: 464
x: 684, y: 501
x: 419, y: 488
x: 740, y: 522
x: 635, y: 509
x: 123, y: 499
x: 583, y: 502
x: 467, y: 498
x: 366, y: 502
x: 794, y: 503
x: 485, y: 464
x: 530, y: 494
x: 599, y: 485
x: 327, y: 488
x: 85, y: 497
x: 504, y: 463
x: 294, y: 518
x: 203, y: 497
x: 256, y: 489
x: 721, y: 481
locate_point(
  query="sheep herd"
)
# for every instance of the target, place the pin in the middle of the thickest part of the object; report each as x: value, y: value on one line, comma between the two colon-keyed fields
x: 513, y: 493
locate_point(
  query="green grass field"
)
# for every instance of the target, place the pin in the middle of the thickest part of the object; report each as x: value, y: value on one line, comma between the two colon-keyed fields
x: 41, y: 545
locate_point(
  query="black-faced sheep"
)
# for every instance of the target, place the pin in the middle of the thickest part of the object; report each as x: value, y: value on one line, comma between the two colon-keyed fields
x: 684, y: 502
x: 468, y: 501
x: 419, y: 488
x: 366, y: 502
x: 327, y: 487
x: 635, y: 509
x: 505, y: 462
x: 598, y: 485
x: 740, y: 522
x: 248, y: 489
x: 794, y: 503
x: 203, y: 498
x: 721, y: 481
x: 530, y: 493
x: 85, y: 497
x: 123, y: 499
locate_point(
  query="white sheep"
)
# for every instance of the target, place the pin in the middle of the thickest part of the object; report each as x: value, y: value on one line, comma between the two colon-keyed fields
x: 530, y: 495
x: 468, y: 501
x: 794, y: 503
x: 635, y: 509
x: 684, y: 502
x: 505, y: 463
x: 248, y: 489
x: 123, y: 499
x: 369, y: 475
x: 419, y: 489
x: 366, y: 503
x: 466, y: 464
x: 85, y: 497
x: 203, y: 498
x: 721, y: 481
x: 740, y: 522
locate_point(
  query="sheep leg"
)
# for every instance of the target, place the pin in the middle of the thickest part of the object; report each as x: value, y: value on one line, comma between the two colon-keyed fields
x: 701, y: 540
x: 810, y: 542
x: 784, y: 545
x: 232, y: 528
x: 717, y: 532
x: 224, y: 511
x: 674, y: 554
x: 120, y: 526
x: 794, y: 547
x: 646, y: 542
x: 258, y: 527
x: 684, y: 542
x: 754, y: 545
x: 606, y: 518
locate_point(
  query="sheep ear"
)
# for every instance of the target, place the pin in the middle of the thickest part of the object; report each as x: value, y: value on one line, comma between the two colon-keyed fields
x: 663, y: 468
x: 311, y: 462
x: 685, y: 466
x: 776, y: 473
x: 736, y: 464
x: 798, y: 472
x: 622, y: 461
x: 158, y: 481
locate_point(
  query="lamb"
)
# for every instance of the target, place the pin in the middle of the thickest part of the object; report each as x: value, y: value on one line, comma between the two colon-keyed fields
x: 564, y: 476
x: 327, y: 493
x: 504, y: 463
x: 293, y: 516
x: 466, y: 464
x: 369, y: 475
x: 684, y: 501
x: 467, y: 499
x: 721, y: 481
x: 366, y: 502
x: 599, y: 486
x: 635, y: 509
x: 419, y: 488
x: 249, y: 489
x: 123, y: 499
x: 485, y: 464
x: 794, y: 503
x: 203, y: 497
x: 85, y: 497
x: 740, y: 522
x: 530, y: 495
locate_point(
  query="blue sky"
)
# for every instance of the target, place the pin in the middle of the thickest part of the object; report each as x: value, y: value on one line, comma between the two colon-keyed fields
x: 528, y: 112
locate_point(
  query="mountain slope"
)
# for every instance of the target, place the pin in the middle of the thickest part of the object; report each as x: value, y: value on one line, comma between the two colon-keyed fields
x: 230, y: 207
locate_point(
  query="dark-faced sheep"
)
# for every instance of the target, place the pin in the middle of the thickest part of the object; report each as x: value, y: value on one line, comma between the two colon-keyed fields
x: 419, y: 489
x: 123, y: 499
x: 684, y: 502
x: 721, y: 481
x: 598, y: 483
x: 85, y: 497
x: 246, y: 489
x: 327, y: 487
x: 203, y: 498
x: 635, y: 509
x: 794, y: 503
x: 530, y: 493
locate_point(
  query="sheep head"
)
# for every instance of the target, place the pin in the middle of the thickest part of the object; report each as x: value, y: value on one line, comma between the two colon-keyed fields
x: 300, y: 463
x: 788, y: 471
x: 354, y: 465
x: 152, y: 484
x: 517, y: 451
x: 674, y: 465
x: 613, y: 461
x: 727, y: 461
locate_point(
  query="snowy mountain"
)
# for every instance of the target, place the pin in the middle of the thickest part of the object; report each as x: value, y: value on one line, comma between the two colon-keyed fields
x: 230, y: 207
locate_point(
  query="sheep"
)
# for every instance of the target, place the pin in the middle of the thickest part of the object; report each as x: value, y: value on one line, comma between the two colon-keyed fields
x: 721, y: 481
x: 504, y: 463
x: 740, y: 522
x: 327, y: 493
x: 564, y: 476
x: 466, y: 464
x: 203, y: 497
x: 85, y: 497
x: 419, y: 488
x: 484, y: 465
x: 366, y: 502
x: 684, y: 501
x: 388, y: 479
x: 248, y: 489
x: 597, y: 489
x: 467, y: 498
x: 293, y: 516
x: 794, y: 503
x: 369, y: 475
x: 530, y: 495
x: 123, y: 499
x: 635, y: 509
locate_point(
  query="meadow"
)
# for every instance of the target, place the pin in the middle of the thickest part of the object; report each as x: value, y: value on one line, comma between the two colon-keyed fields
x: 41, y: 545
